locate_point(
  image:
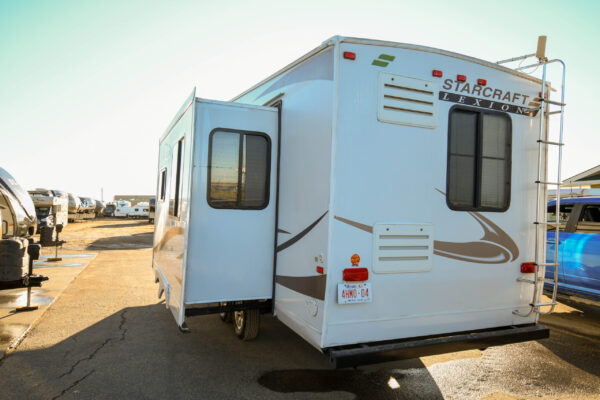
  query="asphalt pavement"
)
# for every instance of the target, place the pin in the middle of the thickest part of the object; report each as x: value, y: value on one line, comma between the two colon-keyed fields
x: 108, y: 336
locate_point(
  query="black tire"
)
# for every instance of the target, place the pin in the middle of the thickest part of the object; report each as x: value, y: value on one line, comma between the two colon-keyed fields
x: 246, y: 323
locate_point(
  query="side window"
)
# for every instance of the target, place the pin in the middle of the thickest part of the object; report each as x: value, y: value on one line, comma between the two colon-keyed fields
x: 479, y: 160
x: 239, y: 169
x: 162, y: 184
x: 589, y: 221
x: 175, y: 185
x: 565, y: 213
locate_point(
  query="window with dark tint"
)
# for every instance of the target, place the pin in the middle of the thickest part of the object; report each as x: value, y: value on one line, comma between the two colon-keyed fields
x: 162, y: 184
x: 589, y: 221
x: 479, y: 160
x: 175, y: 186
x: 239, y: 169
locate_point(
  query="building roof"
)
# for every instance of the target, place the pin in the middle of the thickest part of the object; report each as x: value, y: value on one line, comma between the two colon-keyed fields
x: 588, y: 177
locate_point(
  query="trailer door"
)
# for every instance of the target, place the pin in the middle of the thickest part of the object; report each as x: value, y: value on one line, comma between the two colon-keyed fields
x: 232, y: 215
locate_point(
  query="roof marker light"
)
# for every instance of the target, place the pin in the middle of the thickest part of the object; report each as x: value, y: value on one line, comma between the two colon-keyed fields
x: 437, y: 73
x: 481, y: 82
x: 348, y: 55
x: 528, y: 268
x: 320, y: 269
x: 461, y: 78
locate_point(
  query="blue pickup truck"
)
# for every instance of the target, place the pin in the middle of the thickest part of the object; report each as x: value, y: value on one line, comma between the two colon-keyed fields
x: 578, y: 247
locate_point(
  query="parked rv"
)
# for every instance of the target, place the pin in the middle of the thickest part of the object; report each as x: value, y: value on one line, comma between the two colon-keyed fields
x: 579, y: 245
x: 88, y: 207
x: 330, y: 194
x: 51, y: 209
x: 99, y: 209
x: 18, y: 212
x: 151, y: 210
x: 140, y: 210
x: 74, y: 207
x: 123, y: 208
x: 109, y: 211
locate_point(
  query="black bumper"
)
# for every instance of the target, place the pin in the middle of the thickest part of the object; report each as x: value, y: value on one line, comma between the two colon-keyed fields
x: 379, y: 352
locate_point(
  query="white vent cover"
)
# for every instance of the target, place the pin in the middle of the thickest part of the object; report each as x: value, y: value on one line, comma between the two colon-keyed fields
x: 402, y: 248
x: 407, y: 101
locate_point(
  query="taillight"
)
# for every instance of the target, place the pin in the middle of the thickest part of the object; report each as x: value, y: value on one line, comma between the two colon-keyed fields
x: 320, y: 269
x: 528, y: 268
x: 356, y: 274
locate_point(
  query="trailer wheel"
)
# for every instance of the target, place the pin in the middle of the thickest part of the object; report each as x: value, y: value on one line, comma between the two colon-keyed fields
x: 246, y: 323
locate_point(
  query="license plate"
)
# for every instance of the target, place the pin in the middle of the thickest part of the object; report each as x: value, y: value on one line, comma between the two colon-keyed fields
x: 349, y: 293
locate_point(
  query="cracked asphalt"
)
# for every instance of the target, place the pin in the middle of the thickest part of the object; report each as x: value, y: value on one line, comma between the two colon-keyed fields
x: 108, y: 336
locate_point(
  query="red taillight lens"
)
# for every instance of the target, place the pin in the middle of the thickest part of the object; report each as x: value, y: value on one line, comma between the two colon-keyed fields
x: 481, y: 82
x: 320, y: 269
x: 461, y: 78
x: 528, y: 268
x: 348, y: 55
x: 437, y: 73
x: 356, y: 274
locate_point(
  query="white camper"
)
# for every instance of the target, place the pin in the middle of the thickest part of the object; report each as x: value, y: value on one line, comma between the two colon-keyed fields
x: 123, y: 208
x: 381, y: 199
x: 140, y: 210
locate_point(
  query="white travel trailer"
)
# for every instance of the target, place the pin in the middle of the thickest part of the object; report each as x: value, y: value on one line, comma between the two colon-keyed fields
x: 140, y: 210
x: 123, y: 208
x: 381, y: 199
x: 51, y: 210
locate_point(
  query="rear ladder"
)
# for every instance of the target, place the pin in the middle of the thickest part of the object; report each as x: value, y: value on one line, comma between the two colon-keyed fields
x: 541, y: 215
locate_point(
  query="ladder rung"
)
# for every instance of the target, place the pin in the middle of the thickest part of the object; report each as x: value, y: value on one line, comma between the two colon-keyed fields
x: 548, y: 265
x: 530, y: 281
x: 553, y: 112
x: 525, y: 280
x: 548, y: 183
x: 550, y: 303
x: 552, y: 143
x: 546, y: 223
x: 556, y: 103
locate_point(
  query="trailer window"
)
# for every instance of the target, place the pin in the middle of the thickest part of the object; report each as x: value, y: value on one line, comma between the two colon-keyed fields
x: 175, y: 189
x: 162, y: 184
x: 479, y: 160
x: 239, y: 168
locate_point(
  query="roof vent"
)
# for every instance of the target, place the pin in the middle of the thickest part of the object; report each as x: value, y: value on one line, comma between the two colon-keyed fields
x: 407, y: 101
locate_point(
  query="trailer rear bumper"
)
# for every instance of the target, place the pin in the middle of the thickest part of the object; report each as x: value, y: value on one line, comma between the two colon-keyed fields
x: 373, y: 353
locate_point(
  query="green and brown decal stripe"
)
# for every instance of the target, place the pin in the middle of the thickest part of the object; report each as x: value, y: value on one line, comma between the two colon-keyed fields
x: 383, y: 60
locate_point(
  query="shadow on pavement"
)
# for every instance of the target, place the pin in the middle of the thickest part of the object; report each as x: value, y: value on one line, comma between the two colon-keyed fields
x: 138, y: 352
x: 128, y: 225
x: 125, y: 242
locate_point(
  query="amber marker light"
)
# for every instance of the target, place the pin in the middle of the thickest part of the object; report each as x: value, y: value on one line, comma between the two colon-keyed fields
x: 355, y: 259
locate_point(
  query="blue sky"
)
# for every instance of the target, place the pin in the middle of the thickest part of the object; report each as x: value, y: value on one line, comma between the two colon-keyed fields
x: 87, y: 87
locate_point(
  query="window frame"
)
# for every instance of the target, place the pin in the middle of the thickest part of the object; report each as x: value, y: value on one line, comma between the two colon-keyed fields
x: 162, y: 185
x: 241, y: 132
x: 479, y: 157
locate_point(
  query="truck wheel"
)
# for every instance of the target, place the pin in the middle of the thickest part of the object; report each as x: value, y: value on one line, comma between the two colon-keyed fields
x: 246, y: 323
